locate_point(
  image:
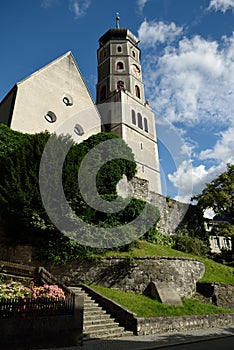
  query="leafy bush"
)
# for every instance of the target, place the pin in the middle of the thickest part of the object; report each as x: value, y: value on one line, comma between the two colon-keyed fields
x: 156, y: 237
x: 191, y: 245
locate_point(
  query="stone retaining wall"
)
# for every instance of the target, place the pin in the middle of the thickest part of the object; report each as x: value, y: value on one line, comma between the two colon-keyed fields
x: 134, y: 276
x: 154, y: 325
x: 220, y: 294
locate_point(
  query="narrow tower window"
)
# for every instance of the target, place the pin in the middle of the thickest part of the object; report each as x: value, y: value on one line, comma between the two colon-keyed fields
x: 119, y: 65
x: 133, y: 54
x: 137, y: 90
x: 146, y: 125
x: 103, y: 93
x: 119, y: 48
x: 120, y: 85
x: 133, y: 117
x: 139, y: 120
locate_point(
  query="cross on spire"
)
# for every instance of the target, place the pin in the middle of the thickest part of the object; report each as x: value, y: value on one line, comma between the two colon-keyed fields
x: 117, y: 19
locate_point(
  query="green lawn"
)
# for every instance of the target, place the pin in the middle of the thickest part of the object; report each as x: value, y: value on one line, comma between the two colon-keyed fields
x: 146, y: 307
x: 214, y: 272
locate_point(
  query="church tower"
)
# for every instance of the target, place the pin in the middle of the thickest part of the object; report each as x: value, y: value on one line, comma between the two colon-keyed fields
x: 121, y: 101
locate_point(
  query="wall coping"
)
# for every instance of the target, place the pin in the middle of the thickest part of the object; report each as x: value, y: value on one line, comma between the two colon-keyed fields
x: 150, y: 258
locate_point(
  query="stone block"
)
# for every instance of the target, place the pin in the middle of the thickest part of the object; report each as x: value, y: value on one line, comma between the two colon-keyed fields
x: 163, y: 292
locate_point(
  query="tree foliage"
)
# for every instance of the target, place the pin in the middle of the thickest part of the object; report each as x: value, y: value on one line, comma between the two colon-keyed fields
x: 219, y: 196
x: 20, y: 199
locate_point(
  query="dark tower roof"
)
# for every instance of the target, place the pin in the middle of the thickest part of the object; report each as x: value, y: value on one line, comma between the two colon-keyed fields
x: 118, y: 34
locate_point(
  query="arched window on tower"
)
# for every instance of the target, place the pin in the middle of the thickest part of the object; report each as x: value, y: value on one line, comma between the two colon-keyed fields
x: 103, y: 93
x: 137, y: 91
x: 139, y: 120
x: 146, y: 125
x: 133, y: 54
x: 120, y: 85
x: 119, y: 65
x: 133, y: 117
x: 119, y: 48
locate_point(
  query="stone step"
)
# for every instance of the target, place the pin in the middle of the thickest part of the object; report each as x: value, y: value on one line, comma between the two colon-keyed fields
x: 97, y: 322
x: 93, y: 318
x: 102, y: 326
x: 106, y: 334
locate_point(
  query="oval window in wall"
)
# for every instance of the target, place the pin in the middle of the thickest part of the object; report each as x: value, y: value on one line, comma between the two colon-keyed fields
x: 67, y: 100
x: 50, y: 117
x: 79, y: 130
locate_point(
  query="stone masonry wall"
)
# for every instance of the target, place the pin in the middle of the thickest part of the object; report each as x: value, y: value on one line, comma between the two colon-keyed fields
x: 155, y: 325
x: 220, y: 294
x: 171, y: 211
x: 134, y: 276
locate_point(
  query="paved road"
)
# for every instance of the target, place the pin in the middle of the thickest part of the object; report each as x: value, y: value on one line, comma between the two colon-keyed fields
x: 207, y: 339
x: 215, y: 344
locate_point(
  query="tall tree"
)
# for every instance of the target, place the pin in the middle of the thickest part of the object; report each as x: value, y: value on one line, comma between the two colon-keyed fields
x: 219, y: 196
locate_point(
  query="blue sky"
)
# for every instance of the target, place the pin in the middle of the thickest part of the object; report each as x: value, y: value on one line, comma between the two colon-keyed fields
x: 187, y: 62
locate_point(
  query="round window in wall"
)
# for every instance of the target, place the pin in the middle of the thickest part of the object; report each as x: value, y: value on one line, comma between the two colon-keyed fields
x: 50, y: 117
x: 79, y: 130
x: 67, y: 100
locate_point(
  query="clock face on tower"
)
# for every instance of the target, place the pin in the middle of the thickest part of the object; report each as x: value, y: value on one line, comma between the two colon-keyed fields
x: 135, y: 70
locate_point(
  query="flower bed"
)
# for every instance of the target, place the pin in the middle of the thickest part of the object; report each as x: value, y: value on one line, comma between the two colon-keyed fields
x: 17, y: 300
x: 16, y: 290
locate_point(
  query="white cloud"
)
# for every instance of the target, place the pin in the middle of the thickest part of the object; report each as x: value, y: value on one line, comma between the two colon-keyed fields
x: 221, y: 5
x: 151, y: 33
x: 79, y: 7
x: 192, y: 82
x: 223, y: 151
x: 48, y: 3
x: 190, y: 180
x: 141, y: 4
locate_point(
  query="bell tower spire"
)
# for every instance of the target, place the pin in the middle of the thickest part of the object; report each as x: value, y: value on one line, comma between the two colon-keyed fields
x: 117, y: 18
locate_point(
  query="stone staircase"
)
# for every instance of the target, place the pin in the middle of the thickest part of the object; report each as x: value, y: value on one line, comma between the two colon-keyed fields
x: 97, y: 322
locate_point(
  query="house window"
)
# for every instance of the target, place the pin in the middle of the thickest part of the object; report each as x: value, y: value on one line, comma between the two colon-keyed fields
x: 120, y: 85
x: 216, y: 242
x: 103, y: 93
x: 137, y: 91
x: 139, y: 120
x: 119, y: 48
x: 119, y: 66
x: 226, y: 243
x: 133, y: 117
x: 146, y: 125
x: 50, y: 117
x: 79, y: 130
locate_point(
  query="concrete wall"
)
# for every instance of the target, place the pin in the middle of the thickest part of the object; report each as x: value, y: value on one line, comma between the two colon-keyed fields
x: 133, y: 276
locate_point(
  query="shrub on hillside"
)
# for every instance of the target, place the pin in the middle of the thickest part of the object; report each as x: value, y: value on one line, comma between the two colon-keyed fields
x: 191, y: 245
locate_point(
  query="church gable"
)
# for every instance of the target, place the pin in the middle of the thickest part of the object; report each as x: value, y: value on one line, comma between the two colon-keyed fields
x: 50, y: 97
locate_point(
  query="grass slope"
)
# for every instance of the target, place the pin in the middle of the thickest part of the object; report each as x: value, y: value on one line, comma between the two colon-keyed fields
x: 214, y: 272
x: 146, y: 307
